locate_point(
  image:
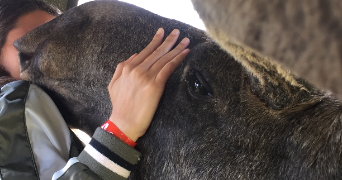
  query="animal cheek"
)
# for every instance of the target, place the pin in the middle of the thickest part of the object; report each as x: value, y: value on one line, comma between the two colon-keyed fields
x: 55, y: 66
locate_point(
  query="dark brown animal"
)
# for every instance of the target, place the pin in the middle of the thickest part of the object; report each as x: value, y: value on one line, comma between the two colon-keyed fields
x: 216, y: 120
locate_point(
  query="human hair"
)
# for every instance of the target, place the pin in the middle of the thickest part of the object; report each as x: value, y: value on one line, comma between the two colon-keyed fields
x: 11, y: 11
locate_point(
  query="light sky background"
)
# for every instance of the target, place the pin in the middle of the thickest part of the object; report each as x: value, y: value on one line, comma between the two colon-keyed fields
x: 181, y: 10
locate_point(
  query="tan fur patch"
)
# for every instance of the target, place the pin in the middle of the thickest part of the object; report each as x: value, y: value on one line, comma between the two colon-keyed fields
x: 261, y: 67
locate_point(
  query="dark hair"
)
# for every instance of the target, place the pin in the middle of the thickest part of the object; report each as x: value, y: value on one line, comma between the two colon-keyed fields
x: 11, y: 10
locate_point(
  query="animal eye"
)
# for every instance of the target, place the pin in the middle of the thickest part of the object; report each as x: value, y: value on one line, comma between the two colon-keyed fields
x: 199, y: 85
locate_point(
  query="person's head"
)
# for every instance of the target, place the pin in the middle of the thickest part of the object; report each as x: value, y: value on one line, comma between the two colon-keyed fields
x: 17, y: 17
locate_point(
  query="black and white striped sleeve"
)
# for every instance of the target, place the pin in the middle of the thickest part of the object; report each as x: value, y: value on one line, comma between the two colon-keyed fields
x: 108, y: 157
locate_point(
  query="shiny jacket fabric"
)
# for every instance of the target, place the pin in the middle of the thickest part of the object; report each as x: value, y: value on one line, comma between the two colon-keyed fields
x: 25, y: 154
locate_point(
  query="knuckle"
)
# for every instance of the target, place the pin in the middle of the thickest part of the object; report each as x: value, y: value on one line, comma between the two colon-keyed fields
x: 120, y: 65
x: 170, y: 40
x: 141, y: 78
x: 179, y: 56
x: 126, y: 69
x: 145, y: 79
x: 160, y: 50
x: 137, y: 72
x: 150, y: 48
x: 171, y: 65
x: 180, y: 47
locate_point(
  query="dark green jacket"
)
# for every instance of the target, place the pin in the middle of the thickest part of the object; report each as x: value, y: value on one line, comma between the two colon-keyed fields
x: 105, y: 157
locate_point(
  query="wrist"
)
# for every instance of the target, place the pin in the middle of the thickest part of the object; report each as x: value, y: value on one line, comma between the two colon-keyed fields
x: 125, y: 127
x: 110, y: 127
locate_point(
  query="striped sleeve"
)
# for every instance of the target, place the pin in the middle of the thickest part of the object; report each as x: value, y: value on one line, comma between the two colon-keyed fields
x: 109, y: 157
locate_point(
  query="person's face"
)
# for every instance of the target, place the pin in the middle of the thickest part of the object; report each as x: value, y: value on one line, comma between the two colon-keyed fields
x: 9, y: 54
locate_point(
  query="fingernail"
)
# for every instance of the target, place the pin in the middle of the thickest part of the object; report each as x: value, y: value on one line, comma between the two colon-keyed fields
x: 185, y: 41
x: 160, y: 31
x: 175, y: 32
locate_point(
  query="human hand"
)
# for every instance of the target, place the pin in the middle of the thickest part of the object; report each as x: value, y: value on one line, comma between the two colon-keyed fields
x: 138, y: 83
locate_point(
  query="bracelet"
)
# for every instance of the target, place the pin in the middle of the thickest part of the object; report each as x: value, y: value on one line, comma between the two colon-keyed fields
x: 110, y: 127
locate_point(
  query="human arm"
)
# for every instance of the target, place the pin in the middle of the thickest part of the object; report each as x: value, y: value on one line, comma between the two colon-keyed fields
x: 141, y: 80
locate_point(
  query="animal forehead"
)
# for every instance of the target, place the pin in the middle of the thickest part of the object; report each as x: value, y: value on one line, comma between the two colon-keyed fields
x: 105, y: 10
x: 215, y: 59
x: 107, y: 23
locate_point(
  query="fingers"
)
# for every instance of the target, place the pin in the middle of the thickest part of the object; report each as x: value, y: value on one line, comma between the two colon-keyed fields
x: 150, y: 48
x: 170, y: 66
x: 163, y: 49
x: 169, y: 56
x: 156, y: 60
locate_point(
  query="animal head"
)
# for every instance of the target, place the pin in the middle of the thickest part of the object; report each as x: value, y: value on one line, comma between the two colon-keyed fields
x: 216, y: 119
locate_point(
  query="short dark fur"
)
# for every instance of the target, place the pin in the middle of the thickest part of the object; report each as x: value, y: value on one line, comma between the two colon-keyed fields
x: 243, y: 130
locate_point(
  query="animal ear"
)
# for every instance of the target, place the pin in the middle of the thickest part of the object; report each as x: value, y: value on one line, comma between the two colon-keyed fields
x: 277, y: 88
x: 280, y: 95
x: 29, y: 42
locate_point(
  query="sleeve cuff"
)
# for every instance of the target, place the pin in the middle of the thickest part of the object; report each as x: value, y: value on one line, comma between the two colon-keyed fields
x: 59, y: 173
x: 108, y: 156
